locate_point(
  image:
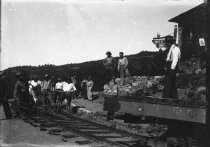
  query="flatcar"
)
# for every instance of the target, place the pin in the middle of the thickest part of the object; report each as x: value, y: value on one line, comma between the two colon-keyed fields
x: 155, y: 107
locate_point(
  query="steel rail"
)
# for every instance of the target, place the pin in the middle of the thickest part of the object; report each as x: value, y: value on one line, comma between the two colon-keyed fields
x: 52, y: 117
x: 124, y: 133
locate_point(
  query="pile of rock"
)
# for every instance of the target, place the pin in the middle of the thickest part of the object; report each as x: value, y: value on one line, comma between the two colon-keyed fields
x: 191, y: 83
x: 136, y: 85
x: 191, y: 87
x: 194, y: 88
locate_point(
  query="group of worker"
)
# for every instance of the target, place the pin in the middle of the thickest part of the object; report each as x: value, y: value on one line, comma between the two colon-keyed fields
x: 110, y: 66
x: 56, y: 91
x: 49, y: 92
x: 26, y: 92
x: 171, y: 67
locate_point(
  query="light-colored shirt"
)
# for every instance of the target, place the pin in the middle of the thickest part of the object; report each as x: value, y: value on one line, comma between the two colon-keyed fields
x: 69, y: 87
x: 84, y: 83
x: 59, y: 85
x: 32, y: 84
x: 122, y: 62
x: 45, y: 84
x: 90, y: 83
x: 174, y: 55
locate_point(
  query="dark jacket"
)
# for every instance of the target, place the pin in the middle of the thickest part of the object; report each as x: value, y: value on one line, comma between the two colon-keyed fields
x: 21, y: 90
x: 3, y: 89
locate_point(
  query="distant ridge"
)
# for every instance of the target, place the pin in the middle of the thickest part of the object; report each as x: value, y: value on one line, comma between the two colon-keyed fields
x: 142, y: 63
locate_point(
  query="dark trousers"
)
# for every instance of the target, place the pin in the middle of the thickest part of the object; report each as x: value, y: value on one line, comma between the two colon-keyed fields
x: 47, y: 97
x: 84, y: 92
x: 6, y: 108
x: 69, y: 96
x: 25, y: 104
x: 58, y: 96
x: 123, y: 72
x: 170, y: 89
x: 109, y: 73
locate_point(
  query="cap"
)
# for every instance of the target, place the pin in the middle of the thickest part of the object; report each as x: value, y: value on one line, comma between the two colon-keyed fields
x: 169, y: 39
x: 46, y: 75
x: 108, y: 53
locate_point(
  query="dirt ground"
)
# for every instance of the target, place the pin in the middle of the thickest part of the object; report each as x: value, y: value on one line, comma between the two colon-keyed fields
x: 94, y: 106
x: 16, y: 133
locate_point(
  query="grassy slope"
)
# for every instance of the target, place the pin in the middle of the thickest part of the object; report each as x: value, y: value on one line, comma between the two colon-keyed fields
x: 143, y: 63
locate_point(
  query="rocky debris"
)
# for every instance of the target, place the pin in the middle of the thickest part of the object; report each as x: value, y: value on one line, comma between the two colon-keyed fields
x: 191, y: 83
x: 135, y: 85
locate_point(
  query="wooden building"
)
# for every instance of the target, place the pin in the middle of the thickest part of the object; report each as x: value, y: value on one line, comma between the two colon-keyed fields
x: 192, y: 31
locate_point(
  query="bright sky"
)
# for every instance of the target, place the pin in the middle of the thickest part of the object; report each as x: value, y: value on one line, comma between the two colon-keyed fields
x: 37, y: 32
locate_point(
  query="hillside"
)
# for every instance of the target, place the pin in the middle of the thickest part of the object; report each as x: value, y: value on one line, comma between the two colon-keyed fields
x: 143, y: 63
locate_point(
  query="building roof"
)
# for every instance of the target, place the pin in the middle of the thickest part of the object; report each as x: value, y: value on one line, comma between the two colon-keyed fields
x: 193, y: 14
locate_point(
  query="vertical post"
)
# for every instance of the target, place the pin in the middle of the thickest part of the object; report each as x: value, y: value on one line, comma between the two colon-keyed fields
x: 0, y: 37
x: 207, y: 7
x: 180, y: 29
x: 176, y: 34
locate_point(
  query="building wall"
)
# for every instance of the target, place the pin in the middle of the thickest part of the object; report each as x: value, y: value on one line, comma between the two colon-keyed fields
x: 189, y: 34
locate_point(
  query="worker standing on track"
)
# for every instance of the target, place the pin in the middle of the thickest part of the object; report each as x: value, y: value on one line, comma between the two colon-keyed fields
x: 84, y: 87
x: 89, y: 88
x: 21, y: 94
x: 68, y: 89
x: 123, y: 66
x: 173, y: 56
x: 34, y: 86
x: 45, y: 89
x: 73, y: 79
x: 109, y: 66
x: 78, y: 87
x: 58, y: 92
x: 4, y: 95
x: 52, y: 90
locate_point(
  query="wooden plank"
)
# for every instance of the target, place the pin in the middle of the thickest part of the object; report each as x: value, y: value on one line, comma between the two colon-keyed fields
x: 197, y: 115
x: 152, y: 100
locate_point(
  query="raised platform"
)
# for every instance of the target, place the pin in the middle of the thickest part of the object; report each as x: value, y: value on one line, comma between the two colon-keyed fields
x: 156, y: 107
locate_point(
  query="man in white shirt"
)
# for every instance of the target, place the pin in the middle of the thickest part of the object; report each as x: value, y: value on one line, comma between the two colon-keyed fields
x: 45, y: 89
x: 34, y: 87
x: 68, y: 89
x: 123, y: 66
x: 58, y: 91
x: 173, y: 56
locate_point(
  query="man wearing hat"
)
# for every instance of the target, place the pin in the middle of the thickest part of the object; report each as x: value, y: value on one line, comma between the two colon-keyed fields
x: 4, y: 94
x: 68, y: 91
x: 172, y: 59
x: 109, y: 66
x: 45, y: 89
x: 21, y: 93
x: 58, y: 90
x: 123, y: 66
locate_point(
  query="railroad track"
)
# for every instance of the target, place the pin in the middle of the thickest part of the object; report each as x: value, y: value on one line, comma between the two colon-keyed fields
x: 70, y: 126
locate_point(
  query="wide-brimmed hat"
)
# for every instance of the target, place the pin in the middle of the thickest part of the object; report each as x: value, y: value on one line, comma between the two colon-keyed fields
x: 169, y: 39
x: 108, y: 53
x: 46, y: 75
